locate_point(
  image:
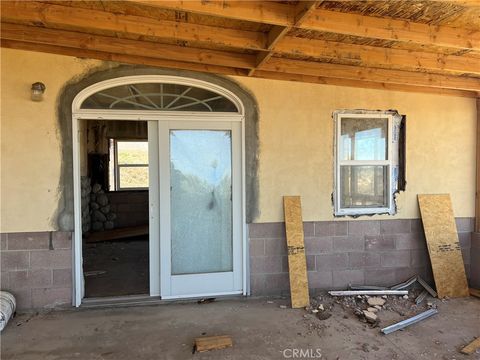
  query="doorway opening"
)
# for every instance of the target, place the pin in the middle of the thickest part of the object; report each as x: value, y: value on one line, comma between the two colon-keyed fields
x: 115, y: 207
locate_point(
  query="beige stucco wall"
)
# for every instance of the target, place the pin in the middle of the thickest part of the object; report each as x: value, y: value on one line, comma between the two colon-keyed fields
x: 296, y: 137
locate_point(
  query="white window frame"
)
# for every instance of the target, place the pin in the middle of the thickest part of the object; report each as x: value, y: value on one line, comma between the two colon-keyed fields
x: 390, y: 208
x: 117, y: 166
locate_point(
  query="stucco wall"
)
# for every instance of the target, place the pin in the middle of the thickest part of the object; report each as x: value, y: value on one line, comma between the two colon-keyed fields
x: 296, y: 139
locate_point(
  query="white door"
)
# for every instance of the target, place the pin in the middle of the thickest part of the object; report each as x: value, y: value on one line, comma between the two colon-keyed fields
x: 200, y: 208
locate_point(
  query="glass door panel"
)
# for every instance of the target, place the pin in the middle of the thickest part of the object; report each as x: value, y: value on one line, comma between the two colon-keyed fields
x: 201, y: 201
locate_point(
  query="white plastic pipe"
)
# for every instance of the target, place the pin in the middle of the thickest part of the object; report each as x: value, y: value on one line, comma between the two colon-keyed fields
x: 7, y: 308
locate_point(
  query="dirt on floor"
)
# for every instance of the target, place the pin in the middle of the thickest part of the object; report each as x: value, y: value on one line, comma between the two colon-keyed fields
x: 261, y: 328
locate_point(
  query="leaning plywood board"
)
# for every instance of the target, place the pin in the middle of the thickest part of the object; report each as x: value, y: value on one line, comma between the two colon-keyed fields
x: 297, y: 264
x: 443, y: 246
x: 212, y: 343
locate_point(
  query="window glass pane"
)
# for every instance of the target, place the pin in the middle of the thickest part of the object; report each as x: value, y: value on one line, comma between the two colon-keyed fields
x: 159, y: 97
x: 132, y: 152
x: 363, y: 186
x: 133, y: 177
x: 201, y: 201
x: 363, y: 139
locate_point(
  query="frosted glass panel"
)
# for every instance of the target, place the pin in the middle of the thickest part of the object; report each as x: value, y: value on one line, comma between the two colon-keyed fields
x: 201, y: 201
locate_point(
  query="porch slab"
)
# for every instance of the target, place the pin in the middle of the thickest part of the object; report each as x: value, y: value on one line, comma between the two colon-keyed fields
x: 260, y: 328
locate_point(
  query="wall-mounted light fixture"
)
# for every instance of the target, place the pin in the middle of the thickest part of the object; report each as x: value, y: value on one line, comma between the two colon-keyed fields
x: 38, y: 89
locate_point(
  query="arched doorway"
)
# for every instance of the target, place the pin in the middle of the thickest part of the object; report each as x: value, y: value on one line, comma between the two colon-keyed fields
x: 197, y: 240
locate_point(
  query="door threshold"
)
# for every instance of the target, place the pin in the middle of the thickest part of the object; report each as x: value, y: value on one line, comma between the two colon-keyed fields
x: 147, y: 300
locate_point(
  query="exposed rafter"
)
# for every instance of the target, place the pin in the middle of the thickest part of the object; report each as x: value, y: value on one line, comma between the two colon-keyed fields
x: 302, y: 11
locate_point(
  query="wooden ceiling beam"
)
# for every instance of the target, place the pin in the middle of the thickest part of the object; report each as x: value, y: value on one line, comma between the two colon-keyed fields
x: 86, y: 20
x: 378, y: 57
x: 330, y: 21
x: 268, y: 12
x: 121, y: 58
x: 302, y: 11
x: 142, y: 60
x: 392, y: 30
x: 124, y: 46
x: 362, y: 84
x: 371, y: 74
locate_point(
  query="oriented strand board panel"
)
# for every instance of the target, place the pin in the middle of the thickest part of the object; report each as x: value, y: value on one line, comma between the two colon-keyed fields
x: 443, y: 245
x: 472, y: 347
x: 297, y: 263
x: 213, y: 343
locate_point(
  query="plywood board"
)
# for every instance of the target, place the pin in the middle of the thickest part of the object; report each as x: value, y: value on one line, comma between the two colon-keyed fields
x: 472, y: 347
x: 213, y: 343
x: 443, y: 245
x: 297, y: 264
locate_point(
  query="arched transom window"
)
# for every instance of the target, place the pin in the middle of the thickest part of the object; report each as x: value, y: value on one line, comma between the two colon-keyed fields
x: 159, y: 97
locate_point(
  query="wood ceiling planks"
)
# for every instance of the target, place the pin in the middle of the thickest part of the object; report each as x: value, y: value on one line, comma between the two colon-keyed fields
x: 263, y: 38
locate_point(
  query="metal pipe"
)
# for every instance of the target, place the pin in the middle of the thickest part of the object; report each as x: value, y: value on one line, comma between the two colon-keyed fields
x: 408, y: 322
x: 368, y: 292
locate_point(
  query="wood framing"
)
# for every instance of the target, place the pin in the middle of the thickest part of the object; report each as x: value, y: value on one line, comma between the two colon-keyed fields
x: 294, y: 41
x: 477, y: 192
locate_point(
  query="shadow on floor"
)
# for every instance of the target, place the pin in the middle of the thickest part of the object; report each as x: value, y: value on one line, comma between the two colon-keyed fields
x: 116, y: 268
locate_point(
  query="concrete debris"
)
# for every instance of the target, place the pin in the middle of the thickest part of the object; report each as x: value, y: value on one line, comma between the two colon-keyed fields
x: 283, y: 306
x: 405, y: 297
x: 320, y: 307
x: 376, y: 301
x: 378, y: 307
x: 372, y: 309
x: 370, y: 316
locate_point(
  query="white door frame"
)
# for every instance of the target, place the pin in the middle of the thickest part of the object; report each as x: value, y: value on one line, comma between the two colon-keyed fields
x: 154, y: 118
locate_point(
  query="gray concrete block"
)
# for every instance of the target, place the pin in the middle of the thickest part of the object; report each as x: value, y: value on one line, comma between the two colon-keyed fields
x: 419, y: 257
x: 62, y: 277
x: 341, y: 228
x: 342, y: 278
x: 466, y: 255
x: 23, y: 298
x: 364, y: 227
x: 257, y: 264
x: 331, y: 261
x: 273, y: 264
x: 26, y: 279
x: 308, y: 228
x: 3, y: 241
x: 320, y: 279
x: 275, y: 246
x: 275, y: 283
x: 359, y: 260
x: 310, y: 259
x: 51, y: 297
x: 416, y: 226
x: 267, y: 230
x: 318, y: 245
x: 348, y: 243
x: 257, y: 247
x: 324, y: 228
x: 396, y: 258
x: 62, y: 240
x: 4, y: 280
x: 15, y: 260
x: 409, y: 241
x: 395, y: 226
x: 465, y: 224
x: 465, y: 239
x: 257, y: 284
x: 51, y: 259
x: 379, y: 242
x: 380, y: 277
x: 29, y: 241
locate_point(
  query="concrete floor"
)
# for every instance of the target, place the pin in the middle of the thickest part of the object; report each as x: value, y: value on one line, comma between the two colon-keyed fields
x: 260, y: 330
x: 125, y: 266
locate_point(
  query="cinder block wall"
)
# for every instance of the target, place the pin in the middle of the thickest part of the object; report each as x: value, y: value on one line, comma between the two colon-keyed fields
x: 475, y: 261
x: 339, y: 253
x: 36, y: 267
x: 130, y: 207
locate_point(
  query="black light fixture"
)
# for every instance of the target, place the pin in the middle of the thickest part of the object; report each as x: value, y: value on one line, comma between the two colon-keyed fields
x: 38, y: 89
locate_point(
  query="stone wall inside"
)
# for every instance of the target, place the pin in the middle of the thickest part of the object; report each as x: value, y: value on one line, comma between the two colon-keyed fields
x: 36, y: 267
x: 339, y: 253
